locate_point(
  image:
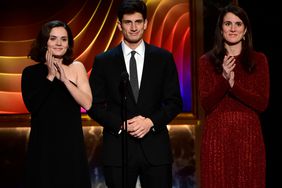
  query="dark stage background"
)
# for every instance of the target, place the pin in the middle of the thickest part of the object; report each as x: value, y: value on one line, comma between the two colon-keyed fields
x: 265, y: 17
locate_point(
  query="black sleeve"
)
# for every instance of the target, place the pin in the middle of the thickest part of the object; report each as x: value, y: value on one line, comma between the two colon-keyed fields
x: 35, y: 88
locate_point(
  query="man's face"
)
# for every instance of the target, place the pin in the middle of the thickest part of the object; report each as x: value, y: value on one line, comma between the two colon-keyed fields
x: 132, y: 27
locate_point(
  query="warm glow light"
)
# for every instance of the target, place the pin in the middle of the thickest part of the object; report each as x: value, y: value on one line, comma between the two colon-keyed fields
x: 94, y: 28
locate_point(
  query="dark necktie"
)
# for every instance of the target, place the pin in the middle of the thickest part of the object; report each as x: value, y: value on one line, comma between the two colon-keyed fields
x: 133, y: 75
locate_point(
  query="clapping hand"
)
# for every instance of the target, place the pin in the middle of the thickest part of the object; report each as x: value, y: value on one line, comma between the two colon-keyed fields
x: 228, y: 66
x: 55, y: 67
x: 50, y: 64
x: 60, y: 70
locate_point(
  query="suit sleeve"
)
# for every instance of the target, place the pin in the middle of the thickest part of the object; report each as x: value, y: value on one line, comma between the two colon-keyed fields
x: 99, y: 110
x: 171, y: 102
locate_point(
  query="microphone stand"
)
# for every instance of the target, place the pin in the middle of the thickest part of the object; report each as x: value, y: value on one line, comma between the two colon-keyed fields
x: 124, y: 129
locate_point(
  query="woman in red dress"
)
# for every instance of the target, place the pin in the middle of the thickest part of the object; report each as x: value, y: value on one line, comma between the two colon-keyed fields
x: 234, y: 90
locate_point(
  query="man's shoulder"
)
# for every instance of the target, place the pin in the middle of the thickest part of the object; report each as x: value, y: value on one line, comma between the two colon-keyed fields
x: 109, y: 52
x: 156, y: 49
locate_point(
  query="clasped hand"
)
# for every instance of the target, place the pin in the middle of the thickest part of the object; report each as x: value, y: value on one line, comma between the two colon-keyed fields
x: 139, y: 126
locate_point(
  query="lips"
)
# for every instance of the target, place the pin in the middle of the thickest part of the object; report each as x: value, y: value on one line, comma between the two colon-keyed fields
x: 233, y: 35
x: 58, y: 51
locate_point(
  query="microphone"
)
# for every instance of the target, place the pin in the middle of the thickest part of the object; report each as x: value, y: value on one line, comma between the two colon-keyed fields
x: 123, y: 87
x: 123, y: 84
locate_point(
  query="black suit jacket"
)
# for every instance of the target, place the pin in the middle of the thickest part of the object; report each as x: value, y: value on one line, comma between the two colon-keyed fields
x: 159, y: 99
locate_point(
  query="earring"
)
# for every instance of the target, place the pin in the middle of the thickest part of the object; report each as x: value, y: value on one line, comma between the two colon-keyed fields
x: 244, y: 37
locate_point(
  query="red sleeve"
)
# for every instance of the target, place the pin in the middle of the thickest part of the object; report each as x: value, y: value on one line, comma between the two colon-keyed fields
x: 253, y: 91
x: 212, y: 86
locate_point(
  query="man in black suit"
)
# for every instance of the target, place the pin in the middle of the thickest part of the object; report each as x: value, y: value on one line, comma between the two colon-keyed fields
x: 158, y: 101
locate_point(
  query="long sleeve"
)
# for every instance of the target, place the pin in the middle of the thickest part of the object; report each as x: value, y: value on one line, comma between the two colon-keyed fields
x: 212, y: 86
x: 35, y: 87
x: 171, y: 99
x: 100, y: 110
x: 253, y: 89
x: 231, y: 137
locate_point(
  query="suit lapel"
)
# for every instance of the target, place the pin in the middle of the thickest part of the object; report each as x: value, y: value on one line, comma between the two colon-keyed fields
x: 146, y: 70
x: 118, y: 54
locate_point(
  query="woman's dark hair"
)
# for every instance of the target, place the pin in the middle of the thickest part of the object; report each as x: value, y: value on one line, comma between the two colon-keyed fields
x: 39, y: 46
x: 218, y: 51
x: 131, y: 6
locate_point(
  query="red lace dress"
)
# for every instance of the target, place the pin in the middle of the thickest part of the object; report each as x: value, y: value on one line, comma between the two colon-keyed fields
x: 232, y: 147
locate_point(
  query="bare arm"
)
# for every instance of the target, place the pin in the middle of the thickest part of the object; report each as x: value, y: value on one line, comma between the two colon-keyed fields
x: 81, y: 92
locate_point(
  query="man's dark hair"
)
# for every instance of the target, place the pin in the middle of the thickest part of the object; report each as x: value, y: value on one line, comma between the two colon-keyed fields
x: 132, y: 6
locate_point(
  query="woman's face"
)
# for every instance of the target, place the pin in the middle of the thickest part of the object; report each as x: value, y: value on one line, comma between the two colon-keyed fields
x: 233, y: 28
x: 58, y: 41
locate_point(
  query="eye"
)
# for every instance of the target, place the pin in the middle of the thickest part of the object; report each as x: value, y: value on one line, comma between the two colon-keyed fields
x: 126, y: 22
x: 65, y: 39
x: 139, y: 21
x: 227, y: 23
x: 239, y: 24
x: 52, y: 38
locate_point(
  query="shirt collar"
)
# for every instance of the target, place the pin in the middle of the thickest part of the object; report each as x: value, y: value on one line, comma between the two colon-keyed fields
x: 139, y: 50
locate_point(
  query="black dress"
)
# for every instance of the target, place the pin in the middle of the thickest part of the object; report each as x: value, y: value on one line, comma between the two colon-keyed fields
x: 56, y: 156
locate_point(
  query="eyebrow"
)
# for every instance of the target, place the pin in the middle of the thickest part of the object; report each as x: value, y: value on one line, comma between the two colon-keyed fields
x: 132, y: 20
x: 64, y: 36
x: 233, y: 22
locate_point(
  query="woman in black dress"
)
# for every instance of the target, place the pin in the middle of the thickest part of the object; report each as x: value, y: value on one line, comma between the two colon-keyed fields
x: 54, y: 89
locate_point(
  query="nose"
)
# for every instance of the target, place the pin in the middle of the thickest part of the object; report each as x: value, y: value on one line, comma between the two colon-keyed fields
x: 58, y: 42
x: 133, y: 26
x: 233, y: 27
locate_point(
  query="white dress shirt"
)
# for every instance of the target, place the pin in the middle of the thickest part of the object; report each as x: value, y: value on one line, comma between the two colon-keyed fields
x: 139, y: 56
